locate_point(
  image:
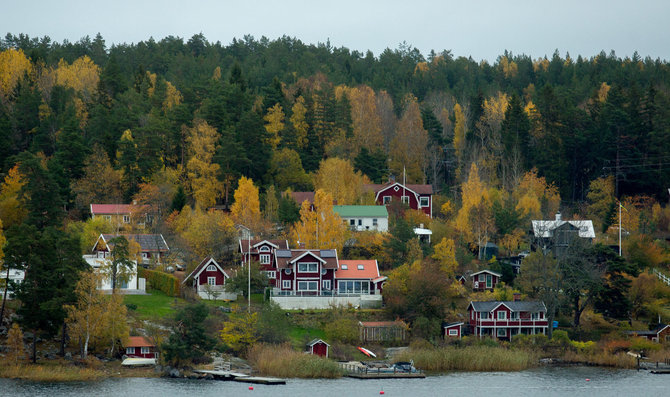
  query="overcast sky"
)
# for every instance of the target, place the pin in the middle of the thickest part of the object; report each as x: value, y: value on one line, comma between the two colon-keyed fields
x: 482, y: 29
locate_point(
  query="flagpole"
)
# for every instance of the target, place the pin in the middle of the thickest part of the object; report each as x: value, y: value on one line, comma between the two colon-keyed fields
x: 620, y: 228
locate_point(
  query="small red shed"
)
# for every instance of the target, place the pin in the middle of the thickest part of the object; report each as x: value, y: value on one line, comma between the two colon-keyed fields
x: 318, y: 347
x: 140, y: 347
x: 452, y: 330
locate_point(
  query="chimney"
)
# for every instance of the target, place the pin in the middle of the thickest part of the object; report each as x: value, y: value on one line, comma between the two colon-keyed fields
x: 558, y: 215
x: 517, y: 296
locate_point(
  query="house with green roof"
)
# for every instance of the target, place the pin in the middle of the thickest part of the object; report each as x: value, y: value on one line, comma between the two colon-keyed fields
x: 364, y: 217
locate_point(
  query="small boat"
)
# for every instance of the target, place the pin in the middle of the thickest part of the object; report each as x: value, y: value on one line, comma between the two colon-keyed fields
x: 367, y: 352
x: 134, y: 362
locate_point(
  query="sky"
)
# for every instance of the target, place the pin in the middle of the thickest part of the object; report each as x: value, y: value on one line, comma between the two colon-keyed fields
x: 483, y: 29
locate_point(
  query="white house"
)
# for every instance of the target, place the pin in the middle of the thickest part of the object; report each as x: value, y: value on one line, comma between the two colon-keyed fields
x: 15, y: 275
x: 364, y: 217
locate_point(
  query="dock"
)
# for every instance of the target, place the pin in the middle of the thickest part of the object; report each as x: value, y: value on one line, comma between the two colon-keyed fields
x: 359, y: 370
x: 386, y: 375
x: 240, y: 377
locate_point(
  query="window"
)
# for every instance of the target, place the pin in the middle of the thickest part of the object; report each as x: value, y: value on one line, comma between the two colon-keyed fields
x: 326, y: 284
x: 424, y: 201
x: 361, y: 267
x: 211, y: 280
x: 126, y: 219
x: 502, y: 332
x: 145, y: 255
x: 264, y: 249
x: 108, y: 218
x: 374, y: 221
x: 345, y: 267
x: 360, y: 222
x: 386, y: 200
x: 482, y: 278
x: 271, y: 274
x: 265, y: 259
x: 353, y: 287
x: 286, y: 284
x: 514, y: 315
x: 146, y: 350
x: 308, y: 285
x: 308, y: 267
x: 485, y: 316
x: 130, y: 350
x: 502, y: 315
x: 453, y: 332
x: 211, y: 268
x: 489, y: 281
x: 352, y: 222
x: 535, y: 316
x: 405, y: 199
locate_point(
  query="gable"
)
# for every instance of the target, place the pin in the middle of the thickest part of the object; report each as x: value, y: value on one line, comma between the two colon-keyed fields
x: 304, y: 255
x: 203, y: 266
x: 400, y: 188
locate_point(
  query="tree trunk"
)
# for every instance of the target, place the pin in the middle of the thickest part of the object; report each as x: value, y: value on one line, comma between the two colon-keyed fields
x: 84, y: 353
x: 4, y: 297
x: 34, y: 346
x: 62, y: 339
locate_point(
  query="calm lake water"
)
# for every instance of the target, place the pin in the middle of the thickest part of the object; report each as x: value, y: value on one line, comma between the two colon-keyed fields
x: 550, y: 381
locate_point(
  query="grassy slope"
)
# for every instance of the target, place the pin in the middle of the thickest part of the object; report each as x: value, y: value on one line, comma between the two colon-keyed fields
x: 155, y: 305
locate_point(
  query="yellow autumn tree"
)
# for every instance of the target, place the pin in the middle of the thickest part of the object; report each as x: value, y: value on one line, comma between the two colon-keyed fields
x: 201, y: 172
x: 298, y: 121
x: 15, y: 347
x: 488, y: 131
x: 274, y: 124
x: 445, y: 254
x: 337, y: 177
x: 172, y: 96
x: 13, y: 66
x: 83, y: 76
x: 204, y: 233
x: 86, y: 318
x: 321, y: 228
x: 532, y: 192
x: 475, y: 219
x: 460, y: 127
x: 12, y: 207
x: 246, y: 210
x: 601, y: 200
x: 408, y: 149
x: 239, y: 332
x: 365, y: 120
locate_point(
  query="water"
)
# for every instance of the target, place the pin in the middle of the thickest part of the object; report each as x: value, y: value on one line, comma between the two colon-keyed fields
x: 549, y: 381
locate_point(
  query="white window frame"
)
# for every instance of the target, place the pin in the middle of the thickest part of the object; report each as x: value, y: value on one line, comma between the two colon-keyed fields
x: 264, y: 248
x: 502, y: 315
x: 502, y: 334
x: 360, y: 267
x: 211, y: 281
x: 108, y: 218
x: 424, y: 201
x: 352, y: 222
x: 271, y: 274
x: 145, y: 350
x: 484, y: 316
x: 374, y: 222
x: 286, y: 284
x: 386, y: 199
x: 264, y: 259
x: 306, y: 267
x: 130, y: 350
x: 489, y: 281
x: 345, y: 267
x: 326, y: 285
x: 308, y: 285
x: 211, y: 268
x: 404, y: 199
x: 453, y: 332
x: 514, y: 316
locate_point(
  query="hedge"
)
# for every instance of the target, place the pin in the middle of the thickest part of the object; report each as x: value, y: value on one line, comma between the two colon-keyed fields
x: 167, y: 283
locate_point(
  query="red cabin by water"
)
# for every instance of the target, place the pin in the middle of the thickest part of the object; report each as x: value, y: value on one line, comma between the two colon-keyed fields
x: 140, y: 347
x: 318, y: 347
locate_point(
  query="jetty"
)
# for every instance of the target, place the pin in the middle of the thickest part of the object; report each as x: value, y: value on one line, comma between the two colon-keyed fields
x: 240, y: 377
x: 377, y: 370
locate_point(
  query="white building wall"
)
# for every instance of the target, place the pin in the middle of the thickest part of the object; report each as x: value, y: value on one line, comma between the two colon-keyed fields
x: 327, y: 302
x: 106, y: 282
x: 368, y: 224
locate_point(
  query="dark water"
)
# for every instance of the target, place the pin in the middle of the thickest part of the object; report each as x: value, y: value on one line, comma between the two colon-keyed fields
x: 570, y: 381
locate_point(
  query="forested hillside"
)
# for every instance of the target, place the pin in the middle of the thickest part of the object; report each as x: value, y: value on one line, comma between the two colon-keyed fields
x: 258, y: 102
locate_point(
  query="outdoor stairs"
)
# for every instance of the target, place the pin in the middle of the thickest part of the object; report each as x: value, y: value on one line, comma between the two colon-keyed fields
x: 662, y: 276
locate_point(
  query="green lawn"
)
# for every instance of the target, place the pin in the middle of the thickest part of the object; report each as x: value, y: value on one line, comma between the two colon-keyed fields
x: 298, y: 335
x: 155, y: 305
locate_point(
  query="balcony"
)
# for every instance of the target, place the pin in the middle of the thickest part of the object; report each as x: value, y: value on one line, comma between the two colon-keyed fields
x: 296, y: 300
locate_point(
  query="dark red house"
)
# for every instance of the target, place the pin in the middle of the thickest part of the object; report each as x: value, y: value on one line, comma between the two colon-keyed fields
x: 208, y: 279
x: 660, y: 334
x: 140, y: 347
x: 418, y: 197
x: 451, y: 330
x: 503, y: 320
x: 318, y: 347
x: 485, y: 280
x: 264, y: 252
x: 306, y: 272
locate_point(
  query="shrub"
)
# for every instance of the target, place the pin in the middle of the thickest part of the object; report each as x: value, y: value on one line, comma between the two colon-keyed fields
x: 644, y: 344
x: 167, y: 283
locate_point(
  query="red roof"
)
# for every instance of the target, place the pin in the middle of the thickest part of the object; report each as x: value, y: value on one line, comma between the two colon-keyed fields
x: 281, y: 244
x: 285, y: 257
x: 98, y: 209
x: 418, y: 189
x: 299, y: 197
x: 352, y: 269
x: 138, y: 341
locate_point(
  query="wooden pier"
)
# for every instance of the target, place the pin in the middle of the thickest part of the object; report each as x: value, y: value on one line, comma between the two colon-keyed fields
x: 386, y: 375
x: 240, y: 377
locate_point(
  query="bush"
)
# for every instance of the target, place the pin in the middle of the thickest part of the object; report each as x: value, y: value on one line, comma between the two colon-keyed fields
x: 167, y: 283
x: 644, y: 344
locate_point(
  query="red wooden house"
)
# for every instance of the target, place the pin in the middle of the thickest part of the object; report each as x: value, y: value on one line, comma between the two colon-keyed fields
x: 418, y: 197
x: 264, y: 252
x: 318, y: 347
x: 660, y: 334
x: 305, y: 272
x: 208, y: 280
x: 485, y: 280
x: 452, y: 330
x: 503, y: 320
x: 140, y: 347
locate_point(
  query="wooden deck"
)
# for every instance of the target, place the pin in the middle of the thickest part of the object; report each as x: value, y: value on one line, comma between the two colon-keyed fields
x: 387, y: 375
x: 240, y: 377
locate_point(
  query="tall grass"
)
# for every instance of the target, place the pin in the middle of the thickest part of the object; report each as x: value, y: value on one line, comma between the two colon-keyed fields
x: 284, y: 362
x: 601, y: 358
x: 50, y: 373
x: 469, y: 358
